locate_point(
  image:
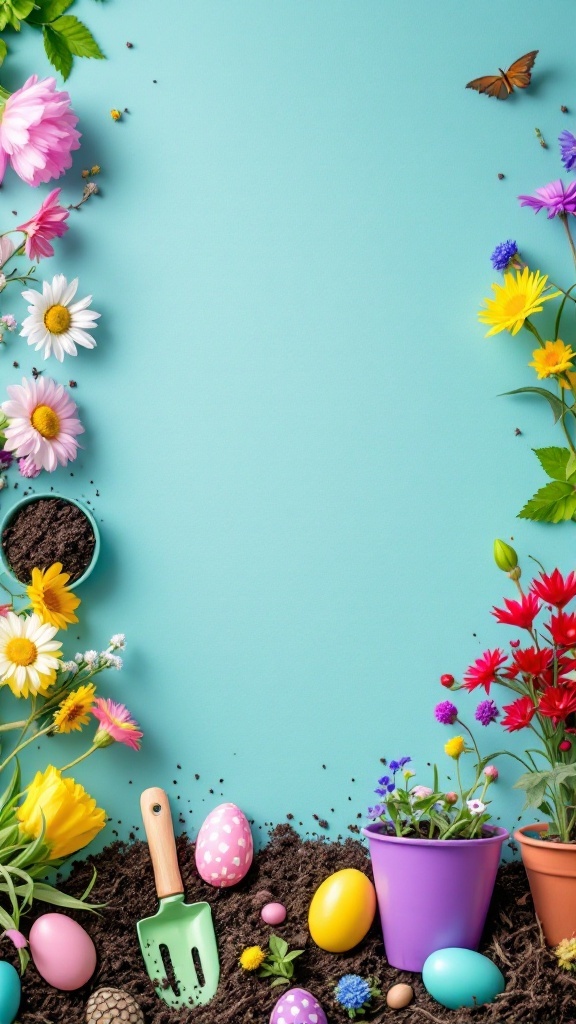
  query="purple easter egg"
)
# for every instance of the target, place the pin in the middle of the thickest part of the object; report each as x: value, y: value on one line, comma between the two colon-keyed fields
x: 273, y: 913
x: 297, y: 1006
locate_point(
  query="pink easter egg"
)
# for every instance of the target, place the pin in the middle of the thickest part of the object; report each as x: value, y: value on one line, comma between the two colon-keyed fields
x: 273, y: 913
x: 63, y: 953
x: 298, y: 1006
x: 224, y: 847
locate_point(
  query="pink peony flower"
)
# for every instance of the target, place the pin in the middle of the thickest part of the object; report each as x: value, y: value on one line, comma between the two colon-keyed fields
x: 116, y: 725
x: 45, y: 225
x: 43, y: 423
x: 37, y: 132
x: 28, y: 468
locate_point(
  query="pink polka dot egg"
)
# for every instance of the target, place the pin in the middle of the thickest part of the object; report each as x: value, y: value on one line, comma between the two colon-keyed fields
x: 224, y: 847
x: 297, y: 1006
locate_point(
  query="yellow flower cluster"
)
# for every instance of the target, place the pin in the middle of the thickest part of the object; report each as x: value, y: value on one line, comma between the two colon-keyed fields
x: 566, y: 953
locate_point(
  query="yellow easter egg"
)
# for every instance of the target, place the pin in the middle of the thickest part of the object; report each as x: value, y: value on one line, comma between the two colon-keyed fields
x: 342, y: 910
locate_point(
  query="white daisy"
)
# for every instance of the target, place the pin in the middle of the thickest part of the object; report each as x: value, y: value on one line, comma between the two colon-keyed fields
x: 56, y: 324
x: 29, y: 655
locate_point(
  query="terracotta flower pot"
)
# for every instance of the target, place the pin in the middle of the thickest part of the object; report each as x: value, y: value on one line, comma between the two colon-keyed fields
x: 551, y: 870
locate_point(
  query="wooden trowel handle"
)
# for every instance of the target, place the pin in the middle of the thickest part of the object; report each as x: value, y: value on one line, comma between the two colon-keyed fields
x: 157, y: 819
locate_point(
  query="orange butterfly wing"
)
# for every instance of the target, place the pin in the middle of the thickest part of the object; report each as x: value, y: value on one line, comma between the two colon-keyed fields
x: 492, y: 85
x: 518, y: 73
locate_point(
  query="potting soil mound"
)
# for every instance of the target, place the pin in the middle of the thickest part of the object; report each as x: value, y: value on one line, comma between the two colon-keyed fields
x: 289, y: 870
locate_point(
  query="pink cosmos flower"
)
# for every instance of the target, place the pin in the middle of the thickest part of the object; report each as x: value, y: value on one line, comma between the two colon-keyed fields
x: 28, y: 468
x: 45, y: 225
x: 116, y: 724
x: 37, y: 132
x: 43, y: 423
x: 557, y: 198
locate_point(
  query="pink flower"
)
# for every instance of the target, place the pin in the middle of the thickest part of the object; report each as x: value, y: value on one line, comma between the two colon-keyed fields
x: 116, y: 725
x: 42, y: 424
x: 4, y: 609
x: 451, y: 798
x: 491, y: 772
x: 484, y: 671
x: 37, y: 132
x: 421, y: 791
x: 28, y: 468
x: 20, y: 941
x: 557, y: 198
x: 518, y: 613
x: 48, y: 223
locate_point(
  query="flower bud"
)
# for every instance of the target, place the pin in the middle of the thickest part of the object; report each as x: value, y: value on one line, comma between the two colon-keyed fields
x: 505, y: 556
x: 491, y: 772
x: 447, y: 680
x: 450, y: 798
x: 565, y: 745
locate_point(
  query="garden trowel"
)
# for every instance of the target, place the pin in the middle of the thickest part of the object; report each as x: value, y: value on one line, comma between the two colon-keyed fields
x: 179, y: 942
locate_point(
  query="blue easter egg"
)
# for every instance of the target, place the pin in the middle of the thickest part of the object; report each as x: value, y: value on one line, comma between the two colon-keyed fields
x: 9, y: 992
x: 460, y: 977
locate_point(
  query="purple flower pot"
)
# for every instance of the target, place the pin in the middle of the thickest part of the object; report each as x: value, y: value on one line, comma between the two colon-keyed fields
x: 432, y: 893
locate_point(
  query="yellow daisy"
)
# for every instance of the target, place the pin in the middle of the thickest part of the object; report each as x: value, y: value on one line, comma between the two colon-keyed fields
x: 50, y: 597
x: 519, y: 297
x: 455, y: 747
x: 555, y: 357
x: 74, y: 711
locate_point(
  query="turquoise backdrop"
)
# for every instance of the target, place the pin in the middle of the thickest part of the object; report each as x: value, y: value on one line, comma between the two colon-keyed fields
x: 292, y: 413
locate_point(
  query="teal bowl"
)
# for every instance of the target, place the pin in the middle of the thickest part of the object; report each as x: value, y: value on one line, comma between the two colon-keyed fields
x: 9, y: 515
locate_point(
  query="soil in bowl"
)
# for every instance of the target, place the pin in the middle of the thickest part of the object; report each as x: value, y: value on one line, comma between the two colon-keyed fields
x: 46, y: 531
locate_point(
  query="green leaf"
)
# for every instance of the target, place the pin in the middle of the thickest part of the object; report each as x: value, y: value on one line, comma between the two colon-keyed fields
x: 57, y: 51
x: 553, y: 503
x: 48, y: 10
x: 281, y: 946
x: 48, y: 894
x: 279, y: 981
x: 554, y: 403
x: 11, y: 789
x: 293, y: 954
x: 3, y: 51
x: 554, y: 462
x: 79, y: 38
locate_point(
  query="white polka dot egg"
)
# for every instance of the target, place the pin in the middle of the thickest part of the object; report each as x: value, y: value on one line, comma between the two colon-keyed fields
x: 224, y: 847
x: 297, y: 1006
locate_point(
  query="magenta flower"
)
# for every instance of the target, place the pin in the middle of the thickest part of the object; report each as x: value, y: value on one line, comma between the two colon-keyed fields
x: 37, y: 132
x: 45, y: 225
x: 446, y: 712
x: 486, y: 712
x: 555, y: 197
x: 116, y: 725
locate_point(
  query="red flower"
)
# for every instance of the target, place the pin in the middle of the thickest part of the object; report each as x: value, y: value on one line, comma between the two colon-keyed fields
x: 563, y: 629
x: 557, y: 702
x: 554, y: 589
x: 529, y: 662
x: 519, y: 613
x: 519, y: 714
x: 483, y: 671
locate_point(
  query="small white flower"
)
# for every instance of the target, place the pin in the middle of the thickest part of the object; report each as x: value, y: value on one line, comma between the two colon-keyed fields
x: 9, y: 321
x: 69, y: 666
x: 118, y: 642
x: 91, y: 658
x: 78, y: 658
x: 56, y: 324
x: 110, y: 660
x: 476, y: 806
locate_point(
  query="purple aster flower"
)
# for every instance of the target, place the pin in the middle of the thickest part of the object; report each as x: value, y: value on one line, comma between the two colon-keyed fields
x: 558, y: 199
x: 384, y: 780
x: 5, y: 458
x: 377, y: 811
x: 567, y: 149
x: 486, y: 712
x: 384, y: 790
x: 446, y: 712
x: 503, y: 254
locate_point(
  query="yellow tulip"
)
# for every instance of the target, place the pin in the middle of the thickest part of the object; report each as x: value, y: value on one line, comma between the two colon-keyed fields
x: 70, y: 813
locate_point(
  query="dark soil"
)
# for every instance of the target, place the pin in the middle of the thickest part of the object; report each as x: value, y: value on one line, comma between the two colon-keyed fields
x: 46, y: 531
x: 289, y: 870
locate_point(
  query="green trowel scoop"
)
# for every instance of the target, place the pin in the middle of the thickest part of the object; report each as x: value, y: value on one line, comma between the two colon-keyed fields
x: 179, y: 942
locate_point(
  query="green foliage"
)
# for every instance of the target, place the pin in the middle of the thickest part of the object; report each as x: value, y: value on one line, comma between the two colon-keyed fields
x: 537, y: 784
x: 279, y: 962
x: 554, y: 403
x: 556, y: 501
x: 65, y: 36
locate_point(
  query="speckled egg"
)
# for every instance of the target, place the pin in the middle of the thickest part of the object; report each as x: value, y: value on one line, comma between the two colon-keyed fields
x: 224, y: 847
x: 9, y: 992
x: 297, y: 1006
x: 63, y: 953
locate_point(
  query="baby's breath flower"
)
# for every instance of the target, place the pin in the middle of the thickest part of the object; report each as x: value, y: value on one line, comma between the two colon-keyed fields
x: 69, y: 666
x: 118, y: 642
x: 91, y: 658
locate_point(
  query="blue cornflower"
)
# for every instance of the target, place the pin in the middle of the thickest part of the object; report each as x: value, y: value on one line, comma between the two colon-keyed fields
x: 503, y: 253
x: 352, y: 992
x: 567, y: 149
x: 384, y: 780
x: 384, y: 790
x: 396, y: 766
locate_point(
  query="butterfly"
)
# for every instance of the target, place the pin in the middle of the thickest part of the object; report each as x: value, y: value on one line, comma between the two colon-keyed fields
x: 516, y: 77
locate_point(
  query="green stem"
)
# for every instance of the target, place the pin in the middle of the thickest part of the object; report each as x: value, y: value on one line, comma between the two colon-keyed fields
x: 41, y: 732
x: 564, y: 219
x: 530, y: 326
x: 12, y: 725
x: 78, y: 759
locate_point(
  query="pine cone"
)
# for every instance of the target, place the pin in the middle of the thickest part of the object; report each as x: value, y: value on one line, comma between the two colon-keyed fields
x: 112, y: 1005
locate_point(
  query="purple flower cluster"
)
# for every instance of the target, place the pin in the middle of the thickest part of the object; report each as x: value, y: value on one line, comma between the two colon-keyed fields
x: 5, y: 459
x: 486, y: 712
x: 385, y: 786
x: 503, y: 254
x: 446, y: 712
x: 397, y: 766
x: 567, y: 149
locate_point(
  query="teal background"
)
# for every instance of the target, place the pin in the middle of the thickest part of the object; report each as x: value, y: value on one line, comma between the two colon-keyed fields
x: 292, y: 413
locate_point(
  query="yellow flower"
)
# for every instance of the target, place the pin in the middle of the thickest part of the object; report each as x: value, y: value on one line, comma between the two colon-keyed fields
x: 74, y: 711
x: 70, y: 813
x: 115, y: 115
x: 519, y: 297
x: 50, y: 597
x: 455, y: 747
x: 569, y: 383
x: 555, y: 357
x: 252, y: 958
x: 566, y: 953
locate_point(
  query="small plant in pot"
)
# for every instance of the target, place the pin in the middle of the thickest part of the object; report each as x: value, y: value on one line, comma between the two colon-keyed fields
x: 427, y: 842
x: 541, y: 676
